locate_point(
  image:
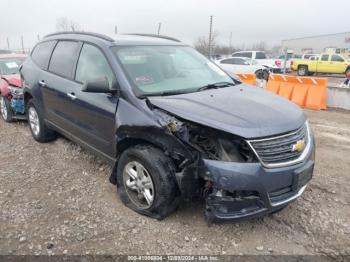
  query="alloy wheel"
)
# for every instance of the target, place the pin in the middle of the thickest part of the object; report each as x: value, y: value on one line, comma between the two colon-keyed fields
x: 3, y: 108
x: 34, y: 121
x: 138, y: 184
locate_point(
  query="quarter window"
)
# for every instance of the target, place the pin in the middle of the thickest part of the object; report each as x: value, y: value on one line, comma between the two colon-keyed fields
x: 324, y: 57
x: 92, y: 64
x: 41, y: 53
x: 63, y: 58
x: 337, y: 58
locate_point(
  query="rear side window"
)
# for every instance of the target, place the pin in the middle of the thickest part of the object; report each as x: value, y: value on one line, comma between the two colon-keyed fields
x: 243, y: 54
x: 63, y: 58
x: 260, y: 55
x: 92, y: 64
x: 324, y: 57
x: 41, y: 53
x: 227, y: 61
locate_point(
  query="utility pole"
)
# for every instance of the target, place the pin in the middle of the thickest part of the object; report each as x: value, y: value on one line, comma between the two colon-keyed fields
x: 38, y: 36
x: 159, y: 26
x: 230, y: 43
x: 116, y: 30
x: 210, y: 36
x: 22, y: 42
x: 8, y: 43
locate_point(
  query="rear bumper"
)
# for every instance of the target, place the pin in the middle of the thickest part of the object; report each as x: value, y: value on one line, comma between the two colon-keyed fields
x: 247, y: 190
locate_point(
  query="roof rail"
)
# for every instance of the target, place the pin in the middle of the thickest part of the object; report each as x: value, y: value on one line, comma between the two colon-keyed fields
x: 157, y: 36
x: 104, y: 37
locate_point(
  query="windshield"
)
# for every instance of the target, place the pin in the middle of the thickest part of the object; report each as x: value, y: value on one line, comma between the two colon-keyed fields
x: 9, y: 66
x: 168, y: 69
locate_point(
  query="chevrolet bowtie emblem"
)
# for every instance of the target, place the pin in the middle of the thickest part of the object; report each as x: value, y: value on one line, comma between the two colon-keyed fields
x: 299, y: 146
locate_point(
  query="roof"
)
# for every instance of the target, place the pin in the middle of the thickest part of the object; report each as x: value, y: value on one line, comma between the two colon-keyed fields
x: 125, y: 39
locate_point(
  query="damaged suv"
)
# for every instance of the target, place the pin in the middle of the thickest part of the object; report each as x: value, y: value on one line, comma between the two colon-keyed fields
x: 174, y: 125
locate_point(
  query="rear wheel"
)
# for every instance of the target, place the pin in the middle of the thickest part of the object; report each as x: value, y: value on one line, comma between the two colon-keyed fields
x: 39, y: 130
x: 146, y: 181
x: 5, y: 108
x: 302, y: 70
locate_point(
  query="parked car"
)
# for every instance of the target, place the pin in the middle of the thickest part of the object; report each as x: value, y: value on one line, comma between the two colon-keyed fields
x: 275, y: 65
x: 326, y: 63
x: 11, y: 92
x: 171, y: 122
x: 243, y: 65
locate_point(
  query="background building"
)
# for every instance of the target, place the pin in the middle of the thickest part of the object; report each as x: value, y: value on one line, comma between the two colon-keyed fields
x: 318, y: 44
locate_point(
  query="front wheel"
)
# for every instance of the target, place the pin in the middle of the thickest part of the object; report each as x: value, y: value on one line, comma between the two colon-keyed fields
x: 39, y: 130
x: 146, y: 181
x: 5, y: 108
x: 302, y: 71
x: 347, y: 72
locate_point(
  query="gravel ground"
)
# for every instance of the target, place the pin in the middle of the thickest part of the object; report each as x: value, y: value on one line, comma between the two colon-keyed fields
x: 56, y: 199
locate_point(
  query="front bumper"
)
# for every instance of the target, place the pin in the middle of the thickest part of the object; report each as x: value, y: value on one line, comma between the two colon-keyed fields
x: 246, y: 190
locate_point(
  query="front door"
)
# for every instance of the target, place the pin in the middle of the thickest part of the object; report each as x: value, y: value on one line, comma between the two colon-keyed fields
x: 93, y: 114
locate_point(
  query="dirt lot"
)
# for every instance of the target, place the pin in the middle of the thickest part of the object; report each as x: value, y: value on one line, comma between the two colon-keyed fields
x: 56, y: 198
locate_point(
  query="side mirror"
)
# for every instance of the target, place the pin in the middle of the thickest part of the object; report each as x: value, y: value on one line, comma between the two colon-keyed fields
x: 98, y: 85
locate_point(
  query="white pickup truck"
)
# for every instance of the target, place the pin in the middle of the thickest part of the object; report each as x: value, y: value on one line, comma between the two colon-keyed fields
x: 275, y: 65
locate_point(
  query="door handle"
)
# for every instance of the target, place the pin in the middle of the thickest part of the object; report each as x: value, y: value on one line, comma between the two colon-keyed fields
x: 42, y: 83
x: 71, y: 95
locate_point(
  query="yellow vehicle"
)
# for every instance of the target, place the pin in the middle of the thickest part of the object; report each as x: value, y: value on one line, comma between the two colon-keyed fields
x: 326, y: 63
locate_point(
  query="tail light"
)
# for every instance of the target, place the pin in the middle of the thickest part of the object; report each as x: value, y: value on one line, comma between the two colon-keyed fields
x: 278, y: 63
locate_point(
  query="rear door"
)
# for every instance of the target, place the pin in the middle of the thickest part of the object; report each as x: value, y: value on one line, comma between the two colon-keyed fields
x: 323, y: 65
x: 93, y: 113
x: 56, y: 81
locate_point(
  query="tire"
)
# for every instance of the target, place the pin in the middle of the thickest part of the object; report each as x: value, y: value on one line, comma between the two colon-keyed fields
x: 303, y: 71
x: 259, y: 74
x: 39, y: 130
x: 156, y: 168
x: 347, y: 71
x: 265, y: 74
x: 6, y: 110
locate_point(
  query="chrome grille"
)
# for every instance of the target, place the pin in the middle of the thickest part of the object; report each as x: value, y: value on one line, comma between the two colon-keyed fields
x: 278, y: 151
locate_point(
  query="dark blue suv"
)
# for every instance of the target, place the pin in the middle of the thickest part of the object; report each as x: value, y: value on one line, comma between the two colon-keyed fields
x: 171, y: 122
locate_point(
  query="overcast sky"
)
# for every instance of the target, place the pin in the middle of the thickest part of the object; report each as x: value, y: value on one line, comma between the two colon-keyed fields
x: 249, y: 20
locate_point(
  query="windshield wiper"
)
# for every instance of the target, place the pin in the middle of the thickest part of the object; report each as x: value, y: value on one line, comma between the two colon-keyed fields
x: 167, y: 93
x: 215, y: 86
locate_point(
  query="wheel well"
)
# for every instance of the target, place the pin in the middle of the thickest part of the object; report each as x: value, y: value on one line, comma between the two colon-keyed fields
x: 129, y: 142
x: 302, y: 65
x: 27, y: 97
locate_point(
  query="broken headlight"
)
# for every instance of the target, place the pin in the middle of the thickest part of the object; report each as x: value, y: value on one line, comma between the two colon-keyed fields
x: 217, y: 145
x: 210, y: 143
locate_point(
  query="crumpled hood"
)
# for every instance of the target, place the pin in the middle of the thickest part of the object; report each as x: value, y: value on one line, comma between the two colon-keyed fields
x: 14, y: 80
x: 246, y: 111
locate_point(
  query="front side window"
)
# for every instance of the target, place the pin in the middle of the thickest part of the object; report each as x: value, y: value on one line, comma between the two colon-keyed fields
x: 42, y: 52
x: 92, y: 64
x: 239, y: 61
x: 154, y: 70
x: 324, y: 57
x: 63, y: 58
x: 10, y: 66
x: 337, y: 58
